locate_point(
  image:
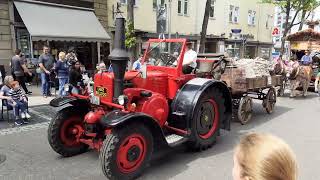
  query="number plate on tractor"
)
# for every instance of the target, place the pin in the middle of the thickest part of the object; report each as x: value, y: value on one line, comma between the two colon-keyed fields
x: 101, y: 91
x: 95, y: 100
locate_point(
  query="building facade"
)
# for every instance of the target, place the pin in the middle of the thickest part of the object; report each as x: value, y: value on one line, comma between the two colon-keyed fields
x: 253, y: 19
x: 60, y: 27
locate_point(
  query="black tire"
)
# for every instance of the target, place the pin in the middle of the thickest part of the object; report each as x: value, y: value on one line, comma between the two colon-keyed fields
x: 112, y: 168
x: 200, y: 122
x: 55, y: 139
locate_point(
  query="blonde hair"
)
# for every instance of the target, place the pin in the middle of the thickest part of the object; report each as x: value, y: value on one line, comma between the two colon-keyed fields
x: 62, y: 55
x: 7, y: 80
x: 265, y: 157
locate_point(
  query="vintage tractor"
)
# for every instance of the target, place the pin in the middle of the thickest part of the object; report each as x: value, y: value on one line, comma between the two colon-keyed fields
x: 131, y: 114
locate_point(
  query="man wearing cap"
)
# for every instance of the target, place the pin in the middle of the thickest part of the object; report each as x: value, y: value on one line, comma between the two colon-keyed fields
x: 306, y: 59
x: 189, y: 60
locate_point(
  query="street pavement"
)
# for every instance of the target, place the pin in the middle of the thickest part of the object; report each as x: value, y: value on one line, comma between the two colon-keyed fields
x: 26, y: 154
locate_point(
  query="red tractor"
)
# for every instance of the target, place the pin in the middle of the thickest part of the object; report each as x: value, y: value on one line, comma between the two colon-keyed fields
x: 130, y: 114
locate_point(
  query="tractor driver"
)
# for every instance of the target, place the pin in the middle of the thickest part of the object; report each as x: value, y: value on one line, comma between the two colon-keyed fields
x: 190, y: 59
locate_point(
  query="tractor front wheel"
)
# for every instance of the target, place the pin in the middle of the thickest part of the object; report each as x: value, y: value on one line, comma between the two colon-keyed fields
x: 64, y: 130
x: 126, y: 152
x: 205, y: 125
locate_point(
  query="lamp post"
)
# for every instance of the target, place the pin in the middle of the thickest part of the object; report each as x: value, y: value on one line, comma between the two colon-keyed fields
x: 169, y: 23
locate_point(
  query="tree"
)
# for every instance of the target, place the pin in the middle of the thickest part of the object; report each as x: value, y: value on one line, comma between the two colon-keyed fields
x: 296, y: 7
x: 204, y: 27
x: 130, y: 33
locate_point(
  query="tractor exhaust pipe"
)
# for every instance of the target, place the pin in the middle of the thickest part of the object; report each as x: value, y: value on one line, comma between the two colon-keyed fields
x: 119, y: 58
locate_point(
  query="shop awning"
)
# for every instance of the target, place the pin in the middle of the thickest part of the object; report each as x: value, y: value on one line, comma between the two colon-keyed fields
x: 60, y: 23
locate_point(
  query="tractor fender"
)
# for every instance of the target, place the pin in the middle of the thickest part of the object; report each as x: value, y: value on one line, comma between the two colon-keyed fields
x: 61, y: 101
x: 117, y: 119
x: 188, y: 96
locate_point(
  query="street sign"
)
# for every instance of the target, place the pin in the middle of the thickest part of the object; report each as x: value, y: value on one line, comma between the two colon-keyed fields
x: 275, y: 31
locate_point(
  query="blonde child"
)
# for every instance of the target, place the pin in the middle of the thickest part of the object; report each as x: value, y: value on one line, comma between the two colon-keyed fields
x: 264, y: 157
x: 19, y: 102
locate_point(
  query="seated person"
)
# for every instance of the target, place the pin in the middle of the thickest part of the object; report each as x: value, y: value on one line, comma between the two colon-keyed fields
x: 306, y: 59
x: 19, y: 102
x: 137, y: 64
x: 189, y: 60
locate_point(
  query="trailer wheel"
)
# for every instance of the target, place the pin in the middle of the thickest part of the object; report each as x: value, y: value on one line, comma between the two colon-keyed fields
x: 270, y: 100
x: 63, y: 131
x: 245, y: 110
x: 205, y: 125
x: 126, y: 152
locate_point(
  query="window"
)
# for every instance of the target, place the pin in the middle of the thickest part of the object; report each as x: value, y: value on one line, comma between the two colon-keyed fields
x: 251, y: 17
x: 269, y: 17
x: 125, y: 2
x: 157, y: 3
x: 233, y: 50
x: 185, y: 7
x: 234, y: 14
x: 265, y: 53
x: 179, y: 6
x: 211, y: 13
x: 231, y: 13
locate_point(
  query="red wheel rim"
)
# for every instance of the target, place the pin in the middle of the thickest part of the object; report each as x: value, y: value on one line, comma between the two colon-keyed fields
x: 69, y: 131
x: 214, y: 125
x: 131, y: 153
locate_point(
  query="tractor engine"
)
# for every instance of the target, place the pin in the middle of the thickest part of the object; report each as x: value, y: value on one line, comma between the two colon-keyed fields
x: 109, y: 86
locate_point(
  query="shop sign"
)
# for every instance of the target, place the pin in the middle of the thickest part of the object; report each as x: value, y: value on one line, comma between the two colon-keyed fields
x: 299, y: 45
x: 246, y: 36
x: 275, y: 31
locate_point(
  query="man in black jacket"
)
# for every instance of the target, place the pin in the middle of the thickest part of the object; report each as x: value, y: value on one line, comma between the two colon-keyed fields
x: 19, y: 69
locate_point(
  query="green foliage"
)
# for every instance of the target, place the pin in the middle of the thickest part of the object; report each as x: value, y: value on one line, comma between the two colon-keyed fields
x: 131, y: 39
x: 296, y: 5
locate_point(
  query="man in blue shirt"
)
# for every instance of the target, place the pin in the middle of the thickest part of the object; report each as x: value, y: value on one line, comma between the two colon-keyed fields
x: 137, y: 64
x: 306, y: 59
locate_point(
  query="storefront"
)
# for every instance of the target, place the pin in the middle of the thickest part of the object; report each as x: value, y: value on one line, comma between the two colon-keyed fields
x: 60, y: 27
x: 250, y: 49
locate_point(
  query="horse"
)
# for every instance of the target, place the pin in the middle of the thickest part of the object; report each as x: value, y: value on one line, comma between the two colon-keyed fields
x: 280, y: 68
x: 299, y: 75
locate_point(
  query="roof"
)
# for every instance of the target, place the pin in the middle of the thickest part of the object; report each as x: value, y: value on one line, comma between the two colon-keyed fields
x: 305, y: 35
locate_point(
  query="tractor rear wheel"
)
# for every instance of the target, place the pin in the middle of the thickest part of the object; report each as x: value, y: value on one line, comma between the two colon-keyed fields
x: 126, y: 152
x: 63, y: 131
x: 205, y: 125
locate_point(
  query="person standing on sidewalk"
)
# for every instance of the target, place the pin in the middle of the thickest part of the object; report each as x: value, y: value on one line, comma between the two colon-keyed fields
x: 75, y: 77
x: 19, y: 69
x: 46, y: 63
x: 62, y: 70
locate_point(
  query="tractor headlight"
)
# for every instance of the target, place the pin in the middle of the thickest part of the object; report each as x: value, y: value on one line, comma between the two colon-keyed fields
x: 122, y: 100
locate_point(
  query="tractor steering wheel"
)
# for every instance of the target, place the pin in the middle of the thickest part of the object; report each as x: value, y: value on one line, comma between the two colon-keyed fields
x: 167, y: 59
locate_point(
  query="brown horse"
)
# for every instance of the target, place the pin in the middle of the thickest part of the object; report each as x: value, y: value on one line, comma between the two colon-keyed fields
x: 280, y: 68
x: 299, y: 75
